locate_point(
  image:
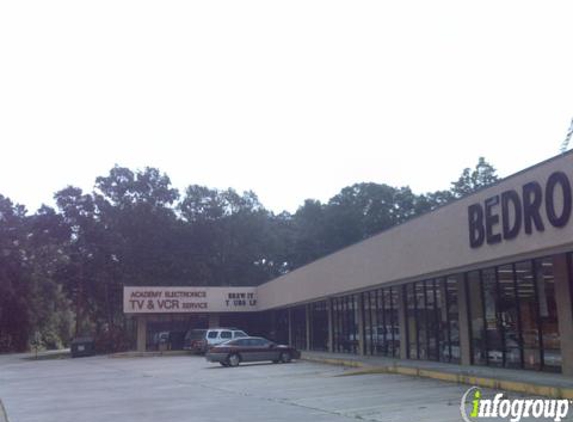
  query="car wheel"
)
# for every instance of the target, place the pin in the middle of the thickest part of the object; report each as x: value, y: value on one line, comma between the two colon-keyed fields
x: 285, y: 357
x: 233, y: 360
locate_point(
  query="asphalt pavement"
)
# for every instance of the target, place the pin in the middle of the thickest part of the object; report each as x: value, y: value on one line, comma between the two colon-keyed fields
x: 187, y: 388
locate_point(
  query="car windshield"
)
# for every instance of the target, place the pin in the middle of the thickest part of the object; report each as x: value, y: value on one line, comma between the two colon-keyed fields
x: 259, y: 342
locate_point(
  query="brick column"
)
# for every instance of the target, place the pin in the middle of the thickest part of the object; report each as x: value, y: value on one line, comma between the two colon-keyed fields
x: 214, y: 320
x: 141, y: 333
x: 564, y: 311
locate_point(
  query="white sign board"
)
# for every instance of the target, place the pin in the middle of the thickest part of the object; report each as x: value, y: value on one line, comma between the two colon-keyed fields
x: 159, y: 300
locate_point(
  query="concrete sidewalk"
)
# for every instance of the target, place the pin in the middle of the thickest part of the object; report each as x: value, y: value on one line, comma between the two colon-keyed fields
x: 525, y: 382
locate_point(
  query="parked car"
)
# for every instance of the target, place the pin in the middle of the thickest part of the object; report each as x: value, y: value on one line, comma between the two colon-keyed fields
x: 251, y: 349
x: 199, y: 341
x: 195, y: 340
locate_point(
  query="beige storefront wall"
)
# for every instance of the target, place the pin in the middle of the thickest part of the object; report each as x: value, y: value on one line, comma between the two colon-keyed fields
x: 433, y: 244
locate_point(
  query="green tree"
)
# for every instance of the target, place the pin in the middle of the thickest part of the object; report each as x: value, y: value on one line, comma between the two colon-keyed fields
x: 31, y: 300
x: 231, y: 234
x: 51, y: 311
x: 430, y: 201
x: 15, y: 323
x: 470, y: 181
x: 123, y: 233
x: 57, y: 266
x: 364, y: 209
x: 309, y: 233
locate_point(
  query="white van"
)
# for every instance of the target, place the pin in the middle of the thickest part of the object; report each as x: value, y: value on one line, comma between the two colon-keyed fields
x: 199, y: 341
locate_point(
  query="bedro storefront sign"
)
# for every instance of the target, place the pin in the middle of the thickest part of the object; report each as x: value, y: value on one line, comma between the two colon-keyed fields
x: 501, y: 217
x: 155, y: 300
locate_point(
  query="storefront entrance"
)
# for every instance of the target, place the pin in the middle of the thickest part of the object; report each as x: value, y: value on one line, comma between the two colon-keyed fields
x: 167, y: 332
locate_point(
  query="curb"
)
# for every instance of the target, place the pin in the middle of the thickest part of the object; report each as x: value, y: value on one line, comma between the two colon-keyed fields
x: 337, y: 362
x: 148, y: 354
x: 473, y: 380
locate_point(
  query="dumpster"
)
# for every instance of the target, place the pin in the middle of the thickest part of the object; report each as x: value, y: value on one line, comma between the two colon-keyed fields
x: 82, y: 346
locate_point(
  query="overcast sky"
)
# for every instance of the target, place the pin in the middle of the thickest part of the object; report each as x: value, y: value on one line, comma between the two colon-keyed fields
x: 292, y: 99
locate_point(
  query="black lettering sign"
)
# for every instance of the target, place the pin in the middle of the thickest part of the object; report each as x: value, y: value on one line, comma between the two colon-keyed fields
x: 532, y: 198
x: 558, y: 178
x: 511, y: 199
x: 491, y: 220
x: 477, y: 233
x: 518, y: 212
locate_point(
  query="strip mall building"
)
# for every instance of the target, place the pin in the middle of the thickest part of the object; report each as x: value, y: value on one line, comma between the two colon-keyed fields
x: 485, y: 280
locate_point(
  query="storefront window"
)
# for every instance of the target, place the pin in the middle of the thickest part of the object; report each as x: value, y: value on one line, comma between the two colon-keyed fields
x: 452, y: 332
x: 512, y: 312
x: 381, y: 324
x: 513, y: 316
x: 509, y: 318
x: 380, y: 328
x: 374, y: 339
x: 319, y: 326
x: 545, y: 279
x: 298, y: 327
x: 392, y: 322
x: 368, y: 311
x: 335, y: 325
x: 167, y: 332
x: 529, y: 315
x: 432, y: 315
x: 493, y: 332
x: 412, y: 328
x: 432, y: 319
x: 444, y: 351
x: 421, y: 320
x: 345, y: 327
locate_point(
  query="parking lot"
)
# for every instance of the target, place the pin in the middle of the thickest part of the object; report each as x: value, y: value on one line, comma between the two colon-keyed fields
x: 187, y: 388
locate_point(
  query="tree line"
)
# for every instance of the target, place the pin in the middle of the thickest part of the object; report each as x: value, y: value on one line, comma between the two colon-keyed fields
x: 62, y: 270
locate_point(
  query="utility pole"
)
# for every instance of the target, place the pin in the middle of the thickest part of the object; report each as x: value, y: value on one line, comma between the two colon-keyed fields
x: 79, y: 300
x: 565, y: 143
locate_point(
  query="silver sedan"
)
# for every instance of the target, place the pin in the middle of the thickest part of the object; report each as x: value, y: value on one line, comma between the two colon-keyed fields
x: 250, y: 349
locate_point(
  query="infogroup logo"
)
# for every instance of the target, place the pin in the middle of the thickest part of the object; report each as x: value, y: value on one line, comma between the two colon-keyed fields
x: 474, y: 406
